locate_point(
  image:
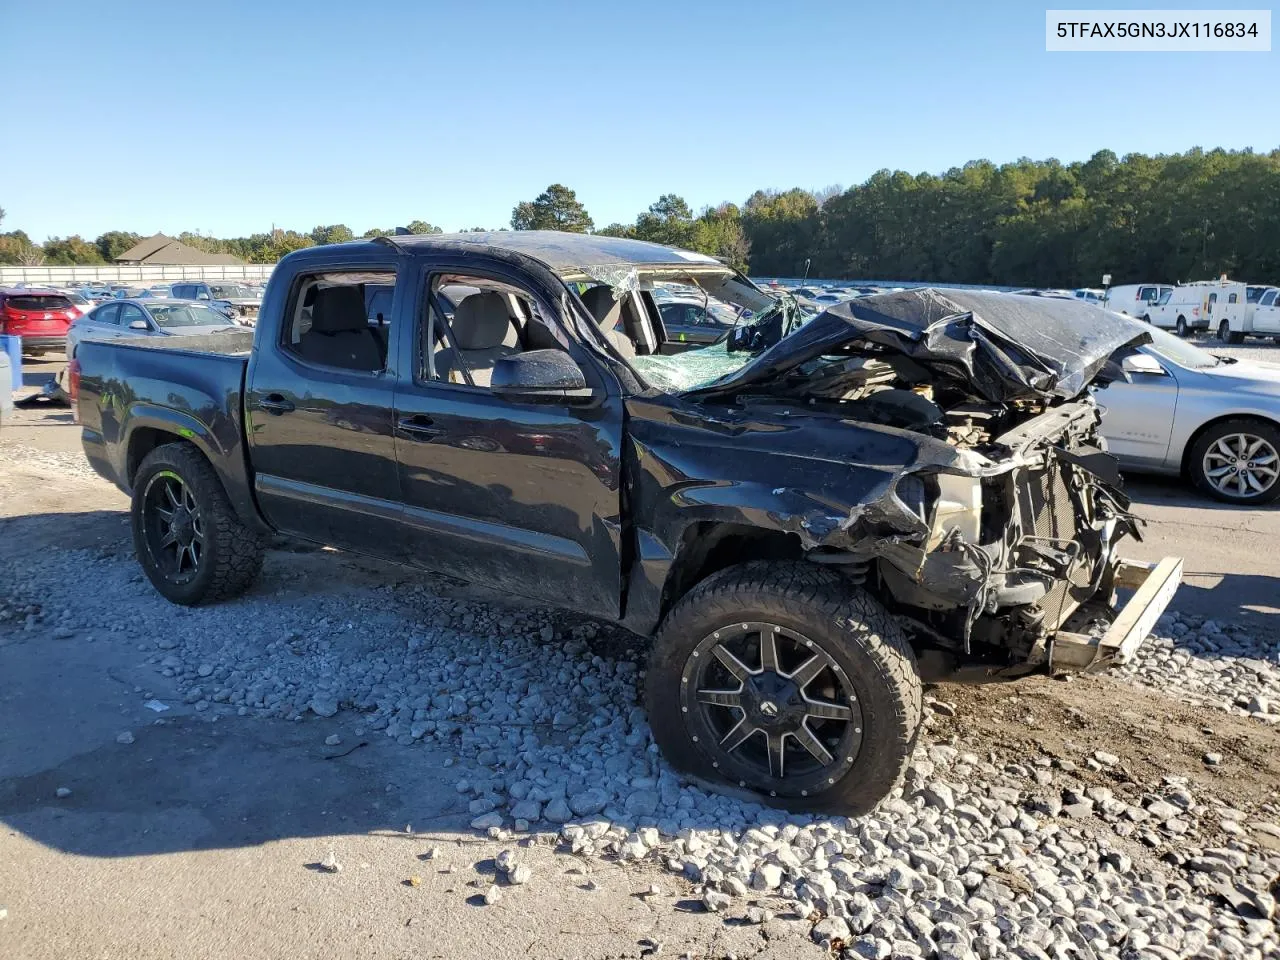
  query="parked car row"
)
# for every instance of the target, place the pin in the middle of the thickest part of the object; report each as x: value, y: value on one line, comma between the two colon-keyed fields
x: 1230, y: 309
x: 43, y: 316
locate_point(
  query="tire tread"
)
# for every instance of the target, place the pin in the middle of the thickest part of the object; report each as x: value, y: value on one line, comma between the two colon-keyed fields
x: 825, y: 595
x: 237, y: 549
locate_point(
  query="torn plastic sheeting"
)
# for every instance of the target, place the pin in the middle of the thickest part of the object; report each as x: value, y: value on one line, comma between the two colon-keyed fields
x: 1005, y: 346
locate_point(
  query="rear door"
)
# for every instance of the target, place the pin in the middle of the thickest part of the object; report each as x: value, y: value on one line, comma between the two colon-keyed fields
x: 521, y: 497
x: 101, y: 323
x: 319, y: 408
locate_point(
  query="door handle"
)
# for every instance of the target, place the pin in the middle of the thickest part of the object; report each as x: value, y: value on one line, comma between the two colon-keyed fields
x: 419, y: 427
x: 275, y: 403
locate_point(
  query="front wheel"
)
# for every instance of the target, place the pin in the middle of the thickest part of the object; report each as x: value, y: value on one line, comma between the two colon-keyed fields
x: 1146, y: 318
x: 1238, y: 461
x: 187, y: 537
x: 786, y: 680
x: 1181, y: 327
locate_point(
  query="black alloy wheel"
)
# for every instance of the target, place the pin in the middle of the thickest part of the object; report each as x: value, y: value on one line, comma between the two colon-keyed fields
x: 173, y: 527
x: 775, y: 705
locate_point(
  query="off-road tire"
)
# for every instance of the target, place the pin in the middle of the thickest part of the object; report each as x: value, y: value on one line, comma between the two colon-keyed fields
x: 1195, y: 459
x: 233, y: 551
x: 849, y: 624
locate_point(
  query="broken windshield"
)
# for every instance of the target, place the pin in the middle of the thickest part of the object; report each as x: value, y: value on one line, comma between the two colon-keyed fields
x: 695, y: 369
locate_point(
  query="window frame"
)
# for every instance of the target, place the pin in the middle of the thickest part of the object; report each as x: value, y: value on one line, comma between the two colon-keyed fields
x: 424, y: 361
x: 498, y: 272
x: 309, y: 271
x: 142, y: 315
x: 112, y: 308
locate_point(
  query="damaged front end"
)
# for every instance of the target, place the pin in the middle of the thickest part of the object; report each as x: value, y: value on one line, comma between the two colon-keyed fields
x: 1019, y: 567
x: 998, y: 543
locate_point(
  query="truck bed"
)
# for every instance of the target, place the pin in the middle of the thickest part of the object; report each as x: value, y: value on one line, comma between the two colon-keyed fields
x: 234, y: 343
x: 189, y: 386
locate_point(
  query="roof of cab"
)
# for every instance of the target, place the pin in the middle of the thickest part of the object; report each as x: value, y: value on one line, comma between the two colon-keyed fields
x: 564, y: 252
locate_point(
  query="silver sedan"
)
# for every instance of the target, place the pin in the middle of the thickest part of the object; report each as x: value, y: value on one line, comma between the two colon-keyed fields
x: 146, y: 318
x: 1185, y: 411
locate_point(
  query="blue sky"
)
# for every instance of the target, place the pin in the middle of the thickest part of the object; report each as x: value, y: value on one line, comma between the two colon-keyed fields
x: 230, y: 117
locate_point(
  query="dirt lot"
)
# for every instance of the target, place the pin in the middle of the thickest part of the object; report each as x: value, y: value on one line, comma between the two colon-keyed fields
x: 201, y: 830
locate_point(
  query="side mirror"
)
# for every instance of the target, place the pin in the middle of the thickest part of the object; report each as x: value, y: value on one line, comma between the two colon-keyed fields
x: 139, y: 325
x: 1141, y: 363
x: 202, y: 296
x: 539, y: 376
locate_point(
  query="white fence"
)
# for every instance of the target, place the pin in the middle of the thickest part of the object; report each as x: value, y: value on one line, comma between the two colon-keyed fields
x: 118, y: 274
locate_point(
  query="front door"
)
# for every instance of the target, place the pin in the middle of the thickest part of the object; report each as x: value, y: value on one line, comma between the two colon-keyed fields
x: 1266, y: 315
x: 1137, y: 417
x: 520, y: 497
x: 319, y: 414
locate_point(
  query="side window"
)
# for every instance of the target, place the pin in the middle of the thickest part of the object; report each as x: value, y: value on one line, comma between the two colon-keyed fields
x: 107, y: 314
x: 179, y: 291
x: 201, y: 291
x: 330, y: 323
x: 1231, y: 298
x: 1268, y: 298
x: 1146, y: 294
x: 129, y: 313
x: 491, y: 319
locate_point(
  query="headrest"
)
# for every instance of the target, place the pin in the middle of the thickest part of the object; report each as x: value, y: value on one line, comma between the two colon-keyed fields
x: 603, y: 307
x: 338, y: 310
x: 481, y: 321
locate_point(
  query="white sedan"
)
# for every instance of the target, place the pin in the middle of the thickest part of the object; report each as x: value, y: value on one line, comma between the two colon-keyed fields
x: 1185, y: 411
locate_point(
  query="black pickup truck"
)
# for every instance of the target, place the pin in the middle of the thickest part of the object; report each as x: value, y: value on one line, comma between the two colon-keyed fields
x: 809, y: 516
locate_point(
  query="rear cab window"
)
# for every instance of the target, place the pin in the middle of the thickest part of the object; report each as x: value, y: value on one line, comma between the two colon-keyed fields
x: 38, y: 302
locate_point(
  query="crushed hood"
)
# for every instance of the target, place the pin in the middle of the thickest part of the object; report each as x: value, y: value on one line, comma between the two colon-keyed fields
x: 1007, y: 347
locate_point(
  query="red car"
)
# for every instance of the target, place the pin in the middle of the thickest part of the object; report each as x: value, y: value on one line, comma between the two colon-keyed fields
x: 39, y: 317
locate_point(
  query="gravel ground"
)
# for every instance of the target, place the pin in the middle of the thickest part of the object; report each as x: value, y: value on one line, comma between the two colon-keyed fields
x: 1251, y: 349
x: 976, y: 856
x: 66, y: 464
x: 1220, y: 665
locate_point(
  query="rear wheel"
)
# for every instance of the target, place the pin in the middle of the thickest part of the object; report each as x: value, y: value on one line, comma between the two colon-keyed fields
x: 786, y: 680
x: 1238, y: 461
x: 187, y: 537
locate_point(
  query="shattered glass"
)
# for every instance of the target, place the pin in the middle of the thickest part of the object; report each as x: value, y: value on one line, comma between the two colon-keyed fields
x: 690, y: 370
x: 622, y: 277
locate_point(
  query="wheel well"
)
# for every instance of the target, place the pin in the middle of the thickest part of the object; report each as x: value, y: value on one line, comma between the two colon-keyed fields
x: 141, y: 442
x: 1205, y: 427
x: 708, y: 547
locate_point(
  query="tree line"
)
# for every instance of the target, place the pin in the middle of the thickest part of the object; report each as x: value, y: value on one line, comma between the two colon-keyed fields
x: 1176, y: 217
